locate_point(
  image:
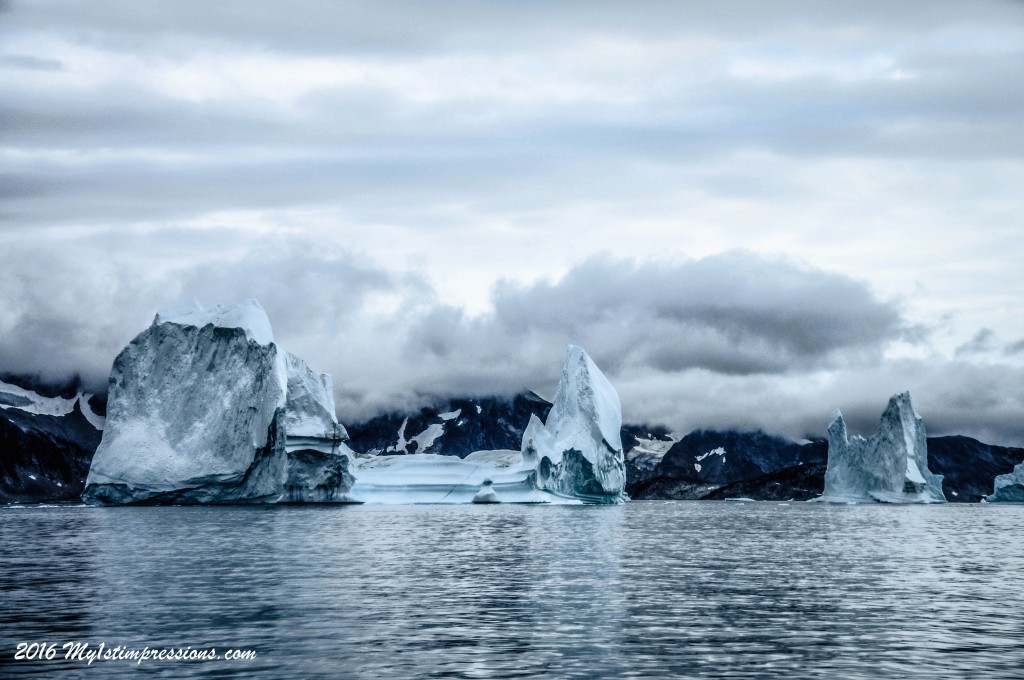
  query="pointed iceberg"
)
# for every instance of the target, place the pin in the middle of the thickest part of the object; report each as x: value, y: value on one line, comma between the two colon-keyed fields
x: 578, y: 450
x: 891, y: 466
x: 1009, y: 488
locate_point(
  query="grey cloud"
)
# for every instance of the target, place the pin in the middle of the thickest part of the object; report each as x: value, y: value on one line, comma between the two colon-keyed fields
x: 771, y: 315
x: 138, y: 155
x: 730, y: 341
x: 75, y: 315
x: 409, y: 27
x: 953, y: 397
x: 982, y: 342
x: 29, y: 62
x: 734, y: 314
x: 1014, y: 348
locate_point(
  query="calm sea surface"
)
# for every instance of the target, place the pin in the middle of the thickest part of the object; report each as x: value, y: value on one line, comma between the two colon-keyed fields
x: 648, y: 589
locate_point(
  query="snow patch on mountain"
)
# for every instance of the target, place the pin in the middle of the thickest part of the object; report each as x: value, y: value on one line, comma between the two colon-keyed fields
x: 648, y: 451
x: 29, y: 401
x: 720, y: 451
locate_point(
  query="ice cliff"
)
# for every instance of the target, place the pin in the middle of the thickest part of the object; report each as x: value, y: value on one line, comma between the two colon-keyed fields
x: 1009, y: 488
x: 891, y: 466
x: 199, y: 406
x: 577, y: 450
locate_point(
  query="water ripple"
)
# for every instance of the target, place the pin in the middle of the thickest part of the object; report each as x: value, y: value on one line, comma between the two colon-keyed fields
x: 645, y: 590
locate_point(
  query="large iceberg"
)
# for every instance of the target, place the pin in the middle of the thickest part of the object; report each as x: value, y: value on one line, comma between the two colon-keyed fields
x: 575, y: 457
x: 204, y: 407
x: 578, y: 451
x: 195, y: 412
x: 1009, y: 488
x: 891, y: 466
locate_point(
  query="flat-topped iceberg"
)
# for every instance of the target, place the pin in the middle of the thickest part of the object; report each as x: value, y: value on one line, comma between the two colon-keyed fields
x: 1008, y: 488
x: 204, y: 407
x: 195, y: 412
x: 891, y: 466
x: 435, y: 478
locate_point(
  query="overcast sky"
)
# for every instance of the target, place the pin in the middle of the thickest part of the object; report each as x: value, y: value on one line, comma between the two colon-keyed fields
x: 749, y: 213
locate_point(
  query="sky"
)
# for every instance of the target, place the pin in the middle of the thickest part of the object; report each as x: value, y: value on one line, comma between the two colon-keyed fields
x: 748, y: 213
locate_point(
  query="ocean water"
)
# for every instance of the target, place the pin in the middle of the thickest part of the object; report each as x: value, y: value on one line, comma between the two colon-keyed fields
x: 644, y: 590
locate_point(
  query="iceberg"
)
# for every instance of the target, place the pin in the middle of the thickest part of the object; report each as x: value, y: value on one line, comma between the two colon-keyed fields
x: 574, y: 457
x: 310, y: 409
x: 578, y: 450
x: 438, y: 479
x: 318, y: 461
x: 1008, y: 488
x: 195, y: 414
x: 891, y: 466
x: 204, y: 407
x: 486, y: 494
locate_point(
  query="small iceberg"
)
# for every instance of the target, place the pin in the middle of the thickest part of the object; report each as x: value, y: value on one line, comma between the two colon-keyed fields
x: 1008, y: 488
x: 486, y: 494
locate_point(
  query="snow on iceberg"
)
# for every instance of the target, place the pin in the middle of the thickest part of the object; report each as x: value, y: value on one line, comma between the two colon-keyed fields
x: 891, y: 466
x: 578, y: 450
x: 1008, y: 488
x: 248, y: 316
x: 199, y: 410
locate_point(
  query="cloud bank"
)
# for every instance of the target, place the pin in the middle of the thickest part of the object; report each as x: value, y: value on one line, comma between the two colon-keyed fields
x: 733, y: 340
